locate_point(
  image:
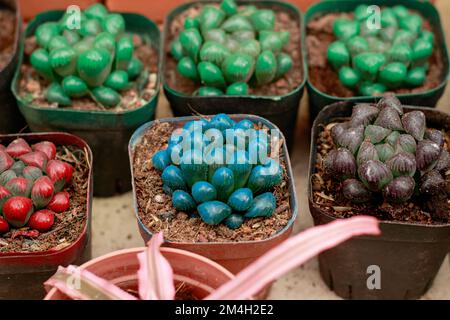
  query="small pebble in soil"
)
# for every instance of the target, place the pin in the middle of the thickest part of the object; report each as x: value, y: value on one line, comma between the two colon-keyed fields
x: 166, y: 216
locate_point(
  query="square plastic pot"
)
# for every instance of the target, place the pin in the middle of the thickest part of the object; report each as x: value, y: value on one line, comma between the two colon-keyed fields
x: 429, y: 98
x: 406, y: 255
x: 106, y: 132
x: 280, y: 110
x: 23, y: 273
x: 11, y: 120
x: 232, y: 255
x: 200, y: 275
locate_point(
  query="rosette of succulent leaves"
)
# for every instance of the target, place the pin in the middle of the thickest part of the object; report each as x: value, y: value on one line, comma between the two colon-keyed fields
x: 226, y: 48
x: 373, y: 59
x: 221, y: 170
x: 95, y: 59
x: 383, y: 152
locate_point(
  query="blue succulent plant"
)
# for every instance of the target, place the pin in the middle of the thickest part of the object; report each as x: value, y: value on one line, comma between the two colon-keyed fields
x: 207, y: 171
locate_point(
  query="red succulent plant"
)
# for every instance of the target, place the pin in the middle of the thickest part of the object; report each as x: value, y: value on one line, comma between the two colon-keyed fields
x: 35, y: 159
x: 46, y: 147
x: 42, y: 192
x: 17, y: 210
x: 42, y: 220
x: 59, y: 172
x: 60, y: 202
x: 18, y: 147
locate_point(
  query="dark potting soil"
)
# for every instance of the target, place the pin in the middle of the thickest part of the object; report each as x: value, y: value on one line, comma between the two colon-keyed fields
x: 158, y: 214
x: 7, y: 36
x: 328, y: 197
x: 32, y: 86
x: 289, y: 82
x: 68, y: 225
x: 325, y: 78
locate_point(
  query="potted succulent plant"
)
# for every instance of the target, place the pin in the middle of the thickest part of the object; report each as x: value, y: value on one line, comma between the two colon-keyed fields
x: 235, y: 57
x: 228, y: 198
x: 167, y: 274
x: 356, y: 52
x: 157, y: 11
x: 45, y: 204
x: 11, y: 30
x: 390, y: 162
x: 31, y: 9
x: 95, y: 74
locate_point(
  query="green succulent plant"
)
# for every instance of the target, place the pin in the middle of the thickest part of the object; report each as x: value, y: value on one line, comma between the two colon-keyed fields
x: 382, y: 150
x: 96, y: 60
x: 373, y: 60
x: 227, y: 47
x: 221, y: 170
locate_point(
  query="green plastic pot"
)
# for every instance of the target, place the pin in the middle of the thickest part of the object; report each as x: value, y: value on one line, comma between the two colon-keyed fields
x: 280, y: 110
x: 318, y: 99
x: 11, y: 120
x: 107, y: 133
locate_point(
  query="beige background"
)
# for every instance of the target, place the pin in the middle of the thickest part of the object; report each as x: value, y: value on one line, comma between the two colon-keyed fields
x: 114, y: 224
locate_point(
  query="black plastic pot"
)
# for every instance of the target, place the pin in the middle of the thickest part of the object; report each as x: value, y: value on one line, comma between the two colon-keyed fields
x: 429, y: 98
x: 280, y: 110
x: 107, y: 133
x: 409, y: 255
x: 11, y: 120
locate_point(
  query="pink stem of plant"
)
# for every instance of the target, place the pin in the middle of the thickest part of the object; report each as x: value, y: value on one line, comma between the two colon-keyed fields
x: 79, y: 284
x: 292, y: 253
x: 155, y: 274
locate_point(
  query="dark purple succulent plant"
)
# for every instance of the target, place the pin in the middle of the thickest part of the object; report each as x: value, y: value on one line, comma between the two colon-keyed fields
x: 386, y: 150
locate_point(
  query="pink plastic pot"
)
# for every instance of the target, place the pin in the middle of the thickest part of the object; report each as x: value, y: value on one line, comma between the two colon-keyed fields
x: 22, y: 274
x: 201, y: 276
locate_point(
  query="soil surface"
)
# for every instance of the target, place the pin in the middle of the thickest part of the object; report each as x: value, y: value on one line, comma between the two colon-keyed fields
x: 68, y: 225
x: 7, y: 36
x: 328, y: 197
x: 325, y: 78
x: 32, y: 86
x: 158, y: 214
x: 289, y: 82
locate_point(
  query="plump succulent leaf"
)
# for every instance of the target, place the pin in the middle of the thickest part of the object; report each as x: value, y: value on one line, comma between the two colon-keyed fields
x: 366, y: 152
x: 266, y: 67
x: 375, y: 175
x: 390, y: 119
x: 402, y: 164
x: 238, y: 67
x: 214, y: 212
x: 385, y: 151
x: 406, y: 143
x: 436, y: 136
x: 376, y: 134
x: 414, y: 123
x: 351, y: 138
x: 392, y: 138
x: 427, y: 154
x: 340, y: 163
x: 431, y: 183
x: 337, y: 129
x: 262, y: 206
x: 363, y: 114
x: 355, y: 191
x: 399, y: 190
